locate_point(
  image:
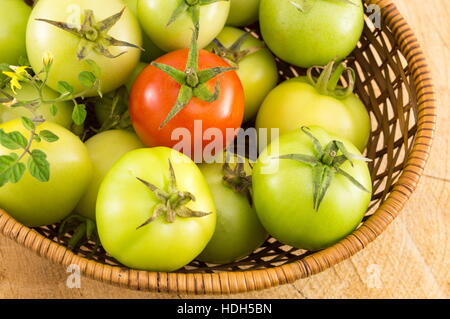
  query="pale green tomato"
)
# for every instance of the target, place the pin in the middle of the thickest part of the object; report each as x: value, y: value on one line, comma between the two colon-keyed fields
x: 36, y: 203
x: 297, y: 103
x: 43, y: 37
x: 152, y: 52
x: 104, y: 149
x: 155, y: 15
x: 63, y: 115
x: 239, y: 231
x: 13, y: 25
x: 243, y: 12
x: 124, y: 203
x: 258, y: 71
x: 309, y: 33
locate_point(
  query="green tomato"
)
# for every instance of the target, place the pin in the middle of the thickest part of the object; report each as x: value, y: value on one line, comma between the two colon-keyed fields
x: 13, y: 25
x: 238, y: 231
x: 124, y: 203
x: 243, y: 12
x: 156, y: 14
x: 104, y: 149
x: 63, y: 115
x: 257, y: 71
x: 36, y: 203
x: 314, y: 33
x: 283, y: 193
x: 297, y: 103
x: 43, y: 37
x: 152, y: 52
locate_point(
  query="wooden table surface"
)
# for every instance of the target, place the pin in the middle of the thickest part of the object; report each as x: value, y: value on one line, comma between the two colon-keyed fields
x: 410, y: 260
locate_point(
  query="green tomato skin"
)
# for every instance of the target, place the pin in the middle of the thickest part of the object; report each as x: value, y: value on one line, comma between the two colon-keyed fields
x: 155, y: 15
x: 243, y: 12
x: 152, y: 52
x: 283, y: 194
x: 43, y: 37
x: 35, y: 203
x: 13, y: 27
x: 258, y: 72
x: 104, y: 150
x: 63, y: 116
x: 296, y: 103
x: 124, y: 203
x: 239, y: 231
x: 330, y: 29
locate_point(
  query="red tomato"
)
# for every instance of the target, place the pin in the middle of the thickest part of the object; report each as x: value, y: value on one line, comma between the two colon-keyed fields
x: 154, y: 94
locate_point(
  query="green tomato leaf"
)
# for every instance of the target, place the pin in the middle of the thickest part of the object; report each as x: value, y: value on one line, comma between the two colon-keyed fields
x: 48, y: 136
x: 13, y: 141
x: 23, y: 60
x: 10, y: 170
x: 65, y: 88
x: 87, y: 79
x: 79, y: 114
x: 4, y: 67
x: 96, y: 70
x: 28, y: 124
x: 17, y: 172
x: 6, y: 162
x: 53, y: 110
x: 38, y: 166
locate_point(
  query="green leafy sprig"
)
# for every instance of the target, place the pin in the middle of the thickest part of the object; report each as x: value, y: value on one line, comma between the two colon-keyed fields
x: 12, y: 166
x: 88, y: 79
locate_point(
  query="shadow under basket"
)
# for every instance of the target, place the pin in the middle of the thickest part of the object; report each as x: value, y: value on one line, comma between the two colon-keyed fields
x: 395, y: 85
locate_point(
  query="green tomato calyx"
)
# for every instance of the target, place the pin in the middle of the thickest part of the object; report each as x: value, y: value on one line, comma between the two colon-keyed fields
x: 173, y: 203
x: 234, y: 54
x: 237, y: 179
x: 94, y: 35
x: 330, y: 75
x: 83, y: 230
x: 193, y: 82
x: 193, y: 8
x: 325, y: 164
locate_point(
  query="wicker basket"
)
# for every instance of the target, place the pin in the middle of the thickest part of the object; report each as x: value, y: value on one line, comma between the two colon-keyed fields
x: 395, y: 84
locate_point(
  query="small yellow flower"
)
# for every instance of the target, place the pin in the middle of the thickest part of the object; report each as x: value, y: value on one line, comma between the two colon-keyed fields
x: 20, y: 74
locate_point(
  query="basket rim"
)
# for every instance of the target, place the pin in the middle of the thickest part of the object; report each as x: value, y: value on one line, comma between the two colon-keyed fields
x: 251, y: 280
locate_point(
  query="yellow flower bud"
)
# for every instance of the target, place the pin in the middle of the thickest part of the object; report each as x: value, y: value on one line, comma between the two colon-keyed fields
x: 47, y: 59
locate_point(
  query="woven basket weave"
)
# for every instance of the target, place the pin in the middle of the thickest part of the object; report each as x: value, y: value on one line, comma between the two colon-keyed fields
x: 395, y: 84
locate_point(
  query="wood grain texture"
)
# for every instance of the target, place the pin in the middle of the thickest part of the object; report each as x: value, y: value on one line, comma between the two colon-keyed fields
x: 410, y: 260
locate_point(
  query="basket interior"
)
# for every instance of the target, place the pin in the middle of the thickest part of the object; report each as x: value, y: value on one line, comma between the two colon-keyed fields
x: 385, y: 86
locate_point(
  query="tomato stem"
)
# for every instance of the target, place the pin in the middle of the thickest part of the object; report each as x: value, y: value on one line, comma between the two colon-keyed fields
x: 193, y: 8
x: 237, y: 179
x: 234, y: 54
x: 172, y: 202
x: 331, y: 74
x: 326, y: 163
x: 94, y: 35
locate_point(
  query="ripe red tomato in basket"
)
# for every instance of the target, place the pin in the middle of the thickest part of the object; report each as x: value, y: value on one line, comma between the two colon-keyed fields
x: 199, y: 122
